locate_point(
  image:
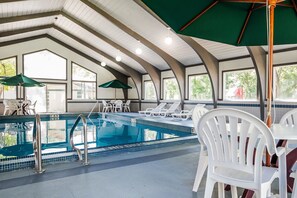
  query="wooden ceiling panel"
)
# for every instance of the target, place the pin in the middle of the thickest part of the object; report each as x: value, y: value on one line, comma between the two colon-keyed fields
x: 149, y: 27
x: 222, y: 51
x: 96, y: 42
x: 88, y: 16
x: 29, y: 7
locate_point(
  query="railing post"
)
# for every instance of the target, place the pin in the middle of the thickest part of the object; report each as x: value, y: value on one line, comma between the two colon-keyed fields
x: 37, y: 145
x: 85, y: 140
x: 83, y: 119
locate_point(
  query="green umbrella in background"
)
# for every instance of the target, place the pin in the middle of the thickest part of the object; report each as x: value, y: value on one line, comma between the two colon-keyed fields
x: 115, y: 84
x: 20, y: 80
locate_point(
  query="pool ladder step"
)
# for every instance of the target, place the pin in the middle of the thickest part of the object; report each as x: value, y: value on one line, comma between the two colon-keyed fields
x: 80, y: 156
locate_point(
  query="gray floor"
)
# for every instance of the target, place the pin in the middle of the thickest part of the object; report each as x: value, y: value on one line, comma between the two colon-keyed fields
x: 159, y: 172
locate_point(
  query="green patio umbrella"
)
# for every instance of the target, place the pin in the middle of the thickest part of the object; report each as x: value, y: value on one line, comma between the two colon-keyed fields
x: 20, y: 80
x: 115, y: 84
x: 235, y: 22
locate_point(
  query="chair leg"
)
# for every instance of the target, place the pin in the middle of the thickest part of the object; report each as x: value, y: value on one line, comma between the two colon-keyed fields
x: 261, y: 193
x: 202, y: 165
x: 221, y: 191
x: 209, y: 187
x: 234, y: 191
x: 294, y: 194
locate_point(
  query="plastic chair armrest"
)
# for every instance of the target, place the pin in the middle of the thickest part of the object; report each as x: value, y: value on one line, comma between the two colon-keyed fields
x: 149, y: 109
x: 280, y: 151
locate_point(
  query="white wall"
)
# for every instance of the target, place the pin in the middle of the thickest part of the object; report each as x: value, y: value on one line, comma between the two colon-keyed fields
x: 103, y: 75
x: 132, y: 93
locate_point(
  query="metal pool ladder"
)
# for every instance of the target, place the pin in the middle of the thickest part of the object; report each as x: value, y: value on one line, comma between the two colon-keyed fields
x: 83, y: 119
x: 37, y: 145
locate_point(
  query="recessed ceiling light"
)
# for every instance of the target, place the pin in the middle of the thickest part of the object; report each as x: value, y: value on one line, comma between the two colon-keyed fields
x: 138, y: 51
x: 168, y: 40
x: 118, y: 58
x: 103, y: 64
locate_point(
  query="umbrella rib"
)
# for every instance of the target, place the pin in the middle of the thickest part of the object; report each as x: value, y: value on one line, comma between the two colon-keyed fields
x: 245, y: 23
x: 294, y: 5
x: 198, y: 15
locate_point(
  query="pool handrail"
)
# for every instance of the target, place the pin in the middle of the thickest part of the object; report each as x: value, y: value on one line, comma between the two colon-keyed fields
x: 37, y: 144
x: 83, y: 119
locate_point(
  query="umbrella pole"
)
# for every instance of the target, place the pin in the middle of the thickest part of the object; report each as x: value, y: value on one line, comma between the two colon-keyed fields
x: 271, y: 6
x: 115, y: 93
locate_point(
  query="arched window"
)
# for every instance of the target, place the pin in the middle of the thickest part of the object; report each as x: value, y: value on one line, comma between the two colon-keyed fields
x: 83, y: 83
x: 45, y: 64
x: 7, y: 69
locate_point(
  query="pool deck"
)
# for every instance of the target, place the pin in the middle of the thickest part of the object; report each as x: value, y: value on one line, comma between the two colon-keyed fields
x: 167, y: 171
x: 165, y: 122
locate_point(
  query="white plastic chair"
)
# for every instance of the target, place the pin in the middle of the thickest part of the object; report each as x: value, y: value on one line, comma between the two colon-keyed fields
x: 12, y: 106
x: 148, y: 111
x: 198, y: 111
x: 6, y: 107
x: 126, y: 106
x: 290, y: 119
x: 236, y: 142
x: 106, y: 107
x: 31, y: 107
x: 166, y: 112
x: 117, y: 106
x: 26, y: 107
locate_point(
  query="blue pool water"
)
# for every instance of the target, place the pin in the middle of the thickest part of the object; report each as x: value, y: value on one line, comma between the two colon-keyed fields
x: 16, y: 137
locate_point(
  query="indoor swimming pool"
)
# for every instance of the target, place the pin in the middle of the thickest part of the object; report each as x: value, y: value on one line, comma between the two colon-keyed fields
x: 16, y: 137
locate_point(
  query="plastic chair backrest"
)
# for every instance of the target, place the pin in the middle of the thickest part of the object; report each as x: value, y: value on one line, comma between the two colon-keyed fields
x: 104, y: 103
x: 235, y: 140
x: 5, y: 102
x: 289, y: 118
x: 128, y: 102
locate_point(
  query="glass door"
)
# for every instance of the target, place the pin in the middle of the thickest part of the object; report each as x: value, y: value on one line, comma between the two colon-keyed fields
x: 50, y: 98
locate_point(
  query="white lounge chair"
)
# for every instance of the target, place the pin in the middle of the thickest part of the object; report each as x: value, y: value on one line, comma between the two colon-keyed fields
x: 166, y: 112
x: 187, y: 114
x: 148, y: 111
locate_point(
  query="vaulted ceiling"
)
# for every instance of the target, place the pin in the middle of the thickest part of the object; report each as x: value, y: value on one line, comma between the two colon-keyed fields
x: 104, y: 29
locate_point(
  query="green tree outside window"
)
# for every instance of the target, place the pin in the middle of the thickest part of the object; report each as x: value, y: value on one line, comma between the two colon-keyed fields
x: 200, y: 87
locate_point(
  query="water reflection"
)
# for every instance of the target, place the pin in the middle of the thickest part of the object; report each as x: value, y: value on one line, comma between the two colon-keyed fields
x: 16, y: 138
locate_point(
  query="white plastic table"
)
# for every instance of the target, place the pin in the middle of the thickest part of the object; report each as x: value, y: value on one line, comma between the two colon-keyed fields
x: 283, y: 132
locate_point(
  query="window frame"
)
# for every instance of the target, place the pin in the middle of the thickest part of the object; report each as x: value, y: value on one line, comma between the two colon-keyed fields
x: 45, y: 49
x: 145, y: 81
x: 163, y: 89
x: 235, y: 70
x: 188, y: 91
x: 71, y: 68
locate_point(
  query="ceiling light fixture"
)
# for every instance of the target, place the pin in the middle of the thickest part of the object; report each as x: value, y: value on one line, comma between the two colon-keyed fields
x: 168, y: 39
x: 103, y: 64
x: 118, y: 58
x: 138, y: 51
